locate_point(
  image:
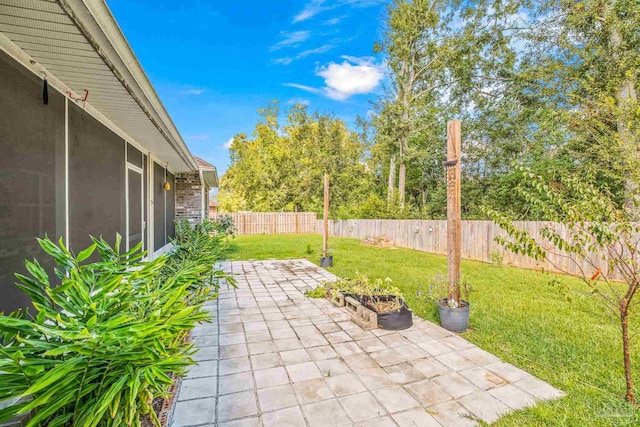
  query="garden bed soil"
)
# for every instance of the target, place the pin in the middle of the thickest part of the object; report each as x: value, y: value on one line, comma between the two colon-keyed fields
x: 158, y: 403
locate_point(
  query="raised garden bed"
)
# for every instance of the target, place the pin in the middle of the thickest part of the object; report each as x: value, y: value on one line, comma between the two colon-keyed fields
x: 385, y: 311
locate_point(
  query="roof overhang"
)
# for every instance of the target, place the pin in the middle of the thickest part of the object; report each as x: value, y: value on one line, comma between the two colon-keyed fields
x: 78, y: 46
x: 210, y: 177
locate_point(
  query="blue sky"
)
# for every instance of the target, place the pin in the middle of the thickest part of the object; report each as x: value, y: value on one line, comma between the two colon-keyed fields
x: 214, y: 63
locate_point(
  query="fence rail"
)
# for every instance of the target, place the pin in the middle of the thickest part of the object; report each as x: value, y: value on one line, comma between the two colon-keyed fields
x: 478, y: 241
x: 478, y: 237
x: 273, y: 222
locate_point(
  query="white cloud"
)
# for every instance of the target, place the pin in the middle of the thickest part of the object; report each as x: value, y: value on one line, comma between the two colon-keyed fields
x: 333, y: 21
x: 290, y: 39
x: 322, y: 49
x: 283, y: 61
x: 300, y: 101
x: 288, y: 60
x: 303, y: 87
x: 198, y: 137
x: 227, y: 145
x: 194, y: 91
x: 354, y: 76
x: 310, y: 10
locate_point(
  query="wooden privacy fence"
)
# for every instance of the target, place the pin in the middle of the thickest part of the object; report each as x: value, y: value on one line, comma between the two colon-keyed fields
x: 273, y: 222
x: 478, y: 241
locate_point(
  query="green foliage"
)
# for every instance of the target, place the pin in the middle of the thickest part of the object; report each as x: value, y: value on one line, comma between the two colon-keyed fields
x: 282, y: 167
x: 369, y: 291
x: 317, y: 292
x: 225, y: 225
x: 588, y: 230
x: 96, y: 349
x: 438, y: 289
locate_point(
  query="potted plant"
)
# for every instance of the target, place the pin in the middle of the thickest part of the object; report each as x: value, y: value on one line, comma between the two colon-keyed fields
x: 454, y: 315
x: 326, y: 259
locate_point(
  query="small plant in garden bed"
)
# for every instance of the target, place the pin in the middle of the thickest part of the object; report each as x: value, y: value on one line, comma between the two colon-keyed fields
x: 103, y: 345
x: 380, y: 296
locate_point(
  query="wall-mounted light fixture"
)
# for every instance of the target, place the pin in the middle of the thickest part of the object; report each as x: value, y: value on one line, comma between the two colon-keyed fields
x: 166, y: 186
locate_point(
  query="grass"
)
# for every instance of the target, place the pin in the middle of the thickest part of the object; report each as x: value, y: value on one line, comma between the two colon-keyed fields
x: 522, y: 316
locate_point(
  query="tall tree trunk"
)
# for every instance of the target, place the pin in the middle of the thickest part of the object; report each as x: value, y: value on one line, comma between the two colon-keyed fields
x: 391, y: 189
x: 624, y: 320
x: 402, y: 181
x: 404, y: 144
x: 626, y: 96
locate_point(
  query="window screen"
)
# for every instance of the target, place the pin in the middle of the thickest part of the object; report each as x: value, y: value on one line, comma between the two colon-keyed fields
x: 96, y: 181
x: 159, y: 218
x: 134, y: 156
x: 171, y: 207
x: 31, y: 175
x: 135, y: 208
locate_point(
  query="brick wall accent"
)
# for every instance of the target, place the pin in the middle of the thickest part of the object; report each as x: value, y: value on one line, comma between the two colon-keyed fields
x: 189, y: 197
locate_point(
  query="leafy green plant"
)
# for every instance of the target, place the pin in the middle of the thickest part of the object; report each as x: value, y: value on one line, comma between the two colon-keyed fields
x: 497, y: 257
x: 317, y: 292
x: 309, y: 250
x: 374, y: 293
x: 96, y: 349
x: 590, y: 230
x: 438, y: 289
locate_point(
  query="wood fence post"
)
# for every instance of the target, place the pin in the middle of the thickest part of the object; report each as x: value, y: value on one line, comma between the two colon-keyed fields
x: 454, y: 213
x: 325, y: 239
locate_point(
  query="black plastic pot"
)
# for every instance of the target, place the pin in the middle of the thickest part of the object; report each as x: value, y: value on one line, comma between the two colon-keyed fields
x: 396, y: 320
x: 454, y: 319
x: 326, y: 261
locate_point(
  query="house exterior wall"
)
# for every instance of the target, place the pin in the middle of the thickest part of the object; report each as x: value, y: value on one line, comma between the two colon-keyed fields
x: 31, y: 171
x: 189, y: 197
x: 64, y: 174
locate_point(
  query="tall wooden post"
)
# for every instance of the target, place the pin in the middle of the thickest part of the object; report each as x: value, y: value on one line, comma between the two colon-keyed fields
x: 325, y: 237
x: 454, y: 213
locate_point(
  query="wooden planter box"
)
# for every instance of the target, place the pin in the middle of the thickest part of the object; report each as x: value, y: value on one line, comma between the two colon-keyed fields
x: 337, y: 300
x: 361, y: 315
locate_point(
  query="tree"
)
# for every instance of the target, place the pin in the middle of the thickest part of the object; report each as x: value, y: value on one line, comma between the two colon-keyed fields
x: 586, y: 222
x: 411, y: 45
x: 282, y: 166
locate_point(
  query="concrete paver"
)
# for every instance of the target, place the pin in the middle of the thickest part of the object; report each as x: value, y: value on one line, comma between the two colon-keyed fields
x: 272, y: 357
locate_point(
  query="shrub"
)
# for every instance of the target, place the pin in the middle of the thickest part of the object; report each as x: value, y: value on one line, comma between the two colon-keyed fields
x: 99, y: 347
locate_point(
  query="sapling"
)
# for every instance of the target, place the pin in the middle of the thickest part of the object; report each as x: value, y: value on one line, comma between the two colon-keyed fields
x: 589, y: 230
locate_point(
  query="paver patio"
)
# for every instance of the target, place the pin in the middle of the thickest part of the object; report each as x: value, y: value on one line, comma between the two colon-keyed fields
x: 272, y: 357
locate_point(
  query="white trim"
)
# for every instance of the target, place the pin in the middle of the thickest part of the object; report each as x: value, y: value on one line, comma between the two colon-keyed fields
x: 202, y: 191
x: 164, y: 193
x: 139, y: 171
x: 163, y: 250
x: 150, y: 230
x: 126, y: 196
x: 66, y: 171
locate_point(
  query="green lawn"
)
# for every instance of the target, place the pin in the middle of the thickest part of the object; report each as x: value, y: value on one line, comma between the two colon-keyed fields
x: 522, y: 316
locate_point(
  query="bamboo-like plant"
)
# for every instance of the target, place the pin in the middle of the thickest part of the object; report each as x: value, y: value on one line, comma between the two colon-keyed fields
x: 96, y: 349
